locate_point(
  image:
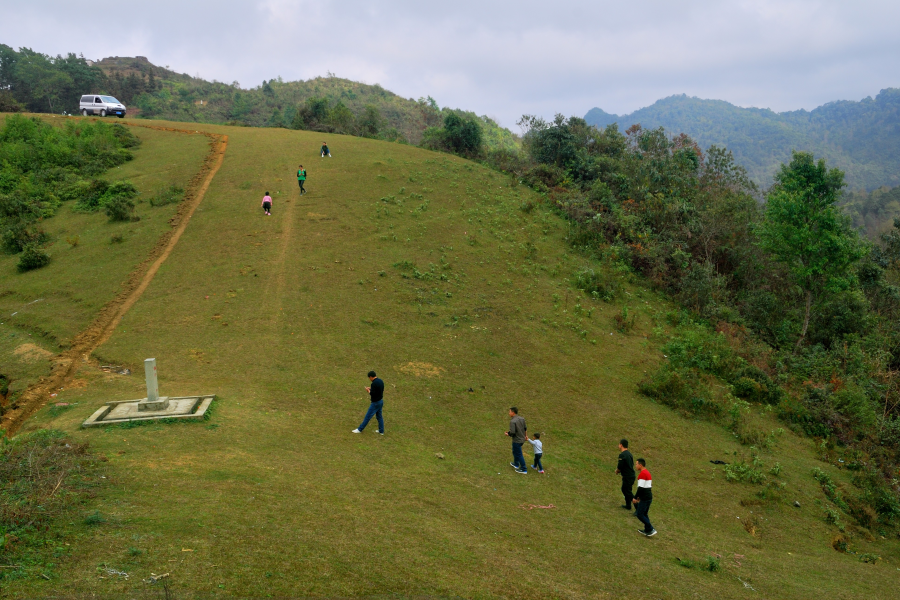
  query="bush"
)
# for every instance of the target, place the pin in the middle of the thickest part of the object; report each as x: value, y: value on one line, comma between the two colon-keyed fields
x: 88, y: 194
x: 119, y: 208
x: 16, y: 237
x: 682, y: 389
x: 33, y: 257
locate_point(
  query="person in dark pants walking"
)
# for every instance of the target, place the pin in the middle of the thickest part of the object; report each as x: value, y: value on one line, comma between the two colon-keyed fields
x: 626, y: 470
x: 301, y: 178
x: 643, y: 498
x: 376, y: 403
x: 517, y: 431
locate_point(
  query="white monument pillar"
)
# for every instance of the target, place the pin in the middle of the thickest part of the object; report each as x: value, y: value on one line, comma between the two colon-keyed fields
x: 152, y: 401
x: 152, y: 384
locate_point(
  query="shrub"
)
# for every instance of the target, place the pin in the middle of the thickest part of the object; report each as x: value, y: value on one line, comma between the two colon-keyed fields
x: 33, y: 257
x: 682, y: 389
x: 119, y: 208
x: 16, y: 237
x: 88, y: 194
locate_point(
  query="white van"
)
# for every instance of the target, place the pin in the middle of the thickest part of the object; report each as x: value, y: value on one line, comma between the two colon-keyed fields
x: 101, y: 105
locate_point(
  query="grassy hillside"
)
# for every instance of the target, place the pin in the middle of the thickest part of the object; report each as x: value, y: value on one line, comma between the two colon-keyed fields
x: 858, y: 137
x: 456, y: 286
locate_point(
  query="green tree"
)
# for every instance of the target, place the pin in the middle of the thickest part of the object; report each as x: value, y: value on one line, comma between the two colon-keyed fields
x: 463, y: 133
x: 804, y: 229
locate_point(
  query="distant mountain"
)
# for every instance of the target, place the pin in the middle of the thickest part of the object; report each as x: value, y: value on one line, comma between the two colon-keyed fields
x: 861, y: 138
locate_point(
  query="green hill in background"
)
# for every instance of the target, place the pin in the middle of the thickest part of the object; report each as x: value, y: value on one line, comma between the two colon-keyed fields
x: 861, y: 138
x: 42, y: 83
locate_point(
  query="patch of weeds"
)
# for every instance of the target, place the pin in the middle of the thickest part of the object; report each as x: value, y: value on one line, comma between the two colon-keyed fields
x: 713, y: 564
x: 135, y: 551
x: 686, y: 390
x: 686, y: 563
x: 95, y: 518
x: 751, y: 525
x: 832, y: 491
x: 624, y: 322
x: 117, y: 239
x: 596, y: 285
x: 45, y: 475
x: 167, y: 195
x: 833, y: 517
x: 869, y: 558
x: 73, y: 241
x: 740, y: 472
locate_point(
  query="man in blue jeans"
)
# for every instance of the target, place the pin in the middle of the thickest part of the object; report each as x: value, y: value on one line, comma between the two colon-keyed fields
x: 517, y: 431
x: 376, y: 403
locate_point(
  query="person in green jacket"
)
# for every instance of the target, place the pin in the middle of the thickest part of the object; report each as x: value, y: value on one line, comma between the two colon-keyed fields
x: 301, y: 178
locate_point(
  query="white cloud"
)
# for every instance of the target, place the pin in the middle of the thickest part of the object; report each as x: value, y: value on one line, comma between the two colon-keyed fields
x: 503, y: 58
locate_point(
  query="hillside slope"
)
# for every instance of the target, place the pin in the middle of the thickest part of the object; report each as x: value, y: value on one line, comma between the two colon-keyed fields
x: 42, y: 83
x: 456, y: 288
x: 862, y: 138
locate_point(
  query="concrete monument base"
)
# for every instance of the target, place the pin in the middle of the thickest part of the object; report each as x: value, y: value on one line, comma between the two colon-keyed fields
x: 186, y: 407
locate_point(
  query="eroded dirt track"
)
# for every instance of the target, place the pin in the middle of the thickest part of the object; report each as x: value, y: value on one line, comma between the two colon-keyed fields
x: 66, y: 364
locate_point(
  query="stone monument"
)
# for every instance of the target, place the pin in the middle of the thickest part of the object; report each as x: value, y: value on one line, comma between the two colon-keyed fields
x: 153, y: 407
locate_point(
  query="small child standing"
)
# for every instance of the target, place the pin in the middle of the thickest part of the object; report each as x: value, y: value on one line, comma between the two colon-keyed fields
x: 538, y: 448
x: 267, y: 204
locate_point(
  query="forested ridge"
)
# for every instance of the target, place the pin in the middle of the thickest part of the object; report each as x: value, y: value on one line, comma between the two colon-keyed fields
x: 37, y: 82
x: 861, y: 138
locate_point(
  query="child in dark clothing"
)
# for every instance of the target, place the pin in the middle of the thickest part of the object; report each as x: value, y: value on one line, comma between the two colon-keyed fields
x: 325, y: 150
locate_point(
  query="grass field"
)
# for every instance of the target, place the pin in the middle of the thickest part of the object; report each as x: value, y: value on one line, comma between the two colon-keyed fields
x: 441, y: 276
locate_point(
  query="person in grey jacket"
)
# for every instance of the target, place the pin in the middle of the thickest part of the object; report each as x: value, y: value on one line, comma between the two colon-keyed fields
x: 517, y: 431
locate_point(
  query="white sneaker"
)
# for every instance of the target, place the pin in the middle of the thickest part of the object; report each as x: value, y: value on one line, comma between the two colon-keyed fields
x: 356, y: 431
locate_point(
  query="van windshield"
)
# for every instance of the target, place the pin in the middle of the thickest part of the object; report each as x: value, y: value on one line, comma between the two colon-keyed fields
x: 109, y: 100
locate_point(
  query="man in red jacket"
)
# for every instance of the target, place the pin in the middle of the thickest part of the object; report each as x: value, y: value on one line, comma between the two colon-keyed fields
x: 643, y: 498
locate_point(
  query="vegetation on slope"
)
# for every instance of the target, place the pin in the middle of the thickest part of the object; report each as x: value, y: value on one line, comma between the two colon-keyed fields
x: 857, y: 137
x: 785, y: 304
x: 873, y: 212
x: 42, y: 83
x: 42, y: 166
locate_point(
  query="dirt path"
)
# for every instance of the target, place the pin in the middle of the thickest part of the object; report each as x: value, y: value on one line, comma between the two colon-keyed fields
x: 66, y: 364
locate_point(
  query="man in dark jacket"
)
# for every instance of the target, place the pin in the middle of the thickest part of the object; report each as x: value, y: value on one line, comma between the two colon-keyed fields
x: 517, y: 431
x: 376, y: 403
x: 626, y: 470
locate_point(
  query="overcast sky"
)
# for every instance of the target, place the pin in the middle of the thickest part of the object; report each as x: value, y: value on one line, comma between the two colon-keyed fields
x: 500, y: 58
